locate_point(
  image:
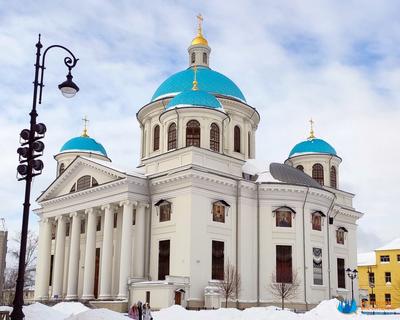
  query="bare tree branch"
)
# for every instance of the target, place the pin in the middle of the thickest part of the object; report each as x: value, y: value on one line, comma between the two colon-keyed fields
x: 230, y: 286
x: 284, y: 291
x: 30, y: 261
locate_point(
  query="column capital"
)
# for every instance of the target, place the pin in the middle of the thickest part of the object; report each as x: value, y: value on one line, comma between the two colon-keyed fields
x: 74, y: 214
x: 106, y: 206
x: 128, y: 203
x: 60, y: 218
x: 89, y: 211
x: 143, y: 204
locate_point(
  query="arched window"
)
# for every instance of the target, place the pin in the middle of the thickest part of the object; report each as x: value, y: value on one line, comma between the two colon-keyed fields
x: 193, y: 57
x: 318, y: 173
x: 94, y: 182
x: 85, y: 182
x: 172, y: 136
x: 300, y: 167
x: 156, y: 138
x: 333, y: 177
x: 204, y: 58
x: 236, y: 139
x: 249, y: 144
x: 62, y: 169
x: 193, y: 133
x: 214, y: 137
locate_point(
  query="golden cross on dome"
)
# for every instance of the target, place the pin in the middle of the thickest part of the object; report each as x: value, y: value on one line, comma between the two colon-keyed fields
x: 195, y: 87
x: 200, y: 21
x: 311, y: 129
x: 85, y: 122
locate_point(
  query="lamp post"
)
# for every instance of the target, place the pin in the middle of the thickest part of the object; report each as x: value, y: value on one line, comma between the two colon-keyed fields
x: 352, y: 275
x: 32, y: 148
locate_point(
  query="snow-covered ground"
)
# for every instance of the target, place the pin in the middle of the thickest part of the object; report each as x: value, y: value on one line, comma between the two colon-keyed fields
x: 326, y: 310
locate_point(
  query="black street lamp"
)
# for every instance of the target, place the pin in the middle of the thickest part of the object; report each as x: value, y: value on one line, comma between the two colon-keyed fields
x: 32, y: 148
x: 352, y: 275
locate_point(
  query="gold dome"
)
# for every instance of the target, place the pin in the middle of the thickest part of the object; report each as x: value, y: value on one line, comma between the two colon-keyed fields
x: 199, y: 38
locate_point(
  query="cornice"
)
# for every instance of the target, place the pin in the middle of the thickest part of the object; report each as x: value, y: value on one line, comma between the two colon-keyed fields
x: 85, y: 192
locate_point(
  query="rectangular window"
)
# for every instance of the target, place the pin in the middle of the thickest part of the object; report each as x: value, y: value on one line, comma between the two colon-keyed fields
x: 317, y: 266
x: 283, y: 218
x: 341, y: 273
x: 165, y: 212
x: 51, y: 269
x: 284, y: 264
x: 398, y: 258
x: 388, y: 299
x: 115, y: 219
x: 371, y: 278
x: 372, y: 300
x: 388, y: 277
x: 217, y: 260
x: 98, y: 223
x: 67, y: 226
x: 134, y: 217
x: 53, y: 231
x: 148, y: 297
x: 218, y: 212
x: 385, y: 259
x: 82, y: 226
x: 163, y: 259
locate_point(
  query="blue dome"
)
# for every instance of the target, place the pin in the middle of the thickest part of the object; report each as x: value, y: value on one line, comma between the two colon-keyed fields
x: 194, y: 98
x: 208, y: 80
x: 84, y: 143
x: 312, y: 146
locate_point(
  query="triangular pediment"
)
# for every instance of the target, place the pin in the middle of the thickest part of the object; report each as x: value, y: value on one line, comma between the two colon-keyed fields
x: 78, y: 168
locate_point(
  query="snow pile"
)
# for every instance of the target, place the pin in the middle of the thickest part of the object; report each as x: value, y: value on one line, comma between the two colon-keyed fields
x: 70, y: 308
x: 6, y: 308
x: 327, y: 309
x: 98, y: 314
x: 38, y: 311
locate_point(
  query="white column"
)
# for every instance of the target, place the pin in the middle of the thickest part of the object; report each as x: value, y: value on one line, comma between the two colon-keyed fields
x: 73, y: 265
x: 138, y: 263
x: 107, y: 255
x: 59, y: 258
x: 90, y: 255
x: 126, y: 249
x: 43, y: 264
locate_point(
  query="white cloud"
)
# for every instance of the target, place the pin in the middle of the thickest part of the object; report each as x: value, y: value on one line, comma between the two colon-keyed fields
x: 337, y: 62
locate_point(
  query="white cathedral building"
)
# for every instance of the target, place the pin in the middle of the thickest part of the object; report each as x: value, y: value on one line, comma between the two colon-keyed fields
x: 164, y: 232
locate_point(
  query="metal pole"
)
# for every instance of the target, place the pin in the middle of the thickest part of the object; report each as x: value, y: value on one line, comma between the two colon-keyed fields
x: 352, y: 291
x: 18, y: 302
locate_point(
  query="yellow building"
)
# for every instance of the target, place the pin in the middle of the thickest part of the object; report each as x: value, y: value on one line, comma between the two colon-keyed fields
x: 379, y: 277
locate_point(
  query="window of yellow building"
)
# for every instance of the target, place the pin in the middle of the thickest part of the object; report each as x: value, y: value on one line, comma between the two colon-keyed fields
x: 385, y: 259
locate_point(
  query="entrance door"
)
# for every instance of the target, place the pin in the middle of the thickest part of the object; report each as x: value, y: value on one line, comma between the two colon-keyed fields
x: 178, y: 297
x: 96, y: 273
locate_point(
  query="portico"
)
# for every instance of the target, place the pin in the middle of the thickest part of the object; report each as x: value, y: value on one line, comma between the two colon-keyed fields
x: 95, y: 245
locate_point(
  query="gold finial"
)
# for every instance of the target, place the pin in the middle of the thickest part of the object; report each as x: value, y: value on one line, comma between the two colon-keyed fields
x: 195, y: 87
x: 85, y: 130
x: 199, y: 21
x: 311, y: 136
x: 199, y: 39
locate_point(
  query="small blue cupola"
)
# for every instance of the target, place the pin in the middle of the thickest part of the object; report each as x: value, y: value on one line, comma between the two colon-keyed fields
x: 84, y: 143
x: 312, y: 145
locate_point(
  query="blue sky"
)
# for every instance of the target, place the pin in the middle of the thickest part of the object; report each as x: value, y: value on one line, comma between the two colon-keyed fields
x: 335, y: 61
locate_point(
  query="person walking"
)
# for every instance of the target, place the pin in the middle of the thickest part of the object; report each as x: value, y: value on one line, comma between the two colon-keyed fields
x: 147, y: 312
x: 140, y: 310
x: 133, y: 312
